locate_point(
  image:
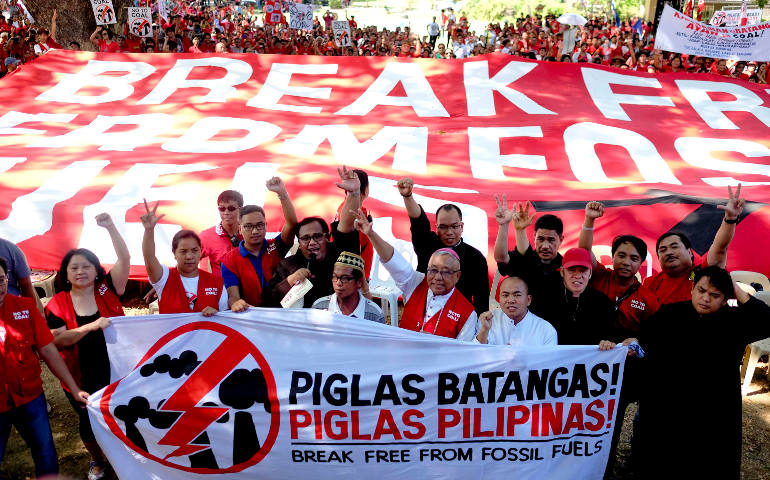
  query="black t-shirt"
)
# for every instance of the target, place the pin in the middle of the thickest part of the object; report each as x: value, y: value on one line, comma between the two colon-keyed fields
x: 92, y: 350
x: 543, y: 278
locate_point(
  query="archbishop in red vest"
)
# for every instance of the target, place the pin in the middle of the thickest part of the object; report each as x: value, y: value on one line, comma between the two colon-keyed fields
x: 432, y: 303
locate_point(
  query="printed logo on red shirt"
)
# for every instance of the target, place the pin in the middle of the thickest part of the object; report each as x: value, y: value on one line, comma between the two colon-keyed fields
x: 210, y: 291
x: 21, y: 315
x: 454, y: 316
x: 638, y: 304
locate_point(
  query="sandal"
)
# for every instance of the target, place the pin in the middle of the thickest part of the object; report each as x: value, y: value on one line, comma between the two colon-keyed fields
x: 97, y: 470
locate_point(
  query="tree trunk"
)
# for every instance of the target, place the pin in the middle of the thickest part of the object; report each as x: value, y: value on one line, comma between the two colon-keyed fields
x: 75, y: 19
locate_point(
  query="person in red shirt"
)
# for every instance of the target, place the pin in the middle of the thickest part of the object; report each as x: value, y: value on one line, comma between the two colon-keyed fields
x: 102, y: 38
x: 677, y: 260
x: 22, y: 403
x: 720, y: 68
x: 220, y: 239
x: 634, y: 303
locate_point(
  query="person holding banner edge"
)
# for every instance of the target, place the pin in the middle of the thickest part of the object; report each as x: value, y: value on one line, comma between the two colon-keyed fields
x: 704, y: 439
x: 87, y: 298
x: 184, y: 288
x: 432, y: 303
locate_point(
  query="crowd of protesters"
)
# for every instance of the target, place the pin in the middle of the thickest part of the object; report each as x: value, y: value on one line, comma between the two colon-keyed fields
x: 545, y: 298
x: 192, y: 28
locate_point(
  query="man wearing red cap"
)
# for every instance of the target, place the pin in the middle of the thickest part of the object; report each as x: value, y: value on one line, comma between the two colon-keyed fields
x: 580, y: 314
x: 432, y: 303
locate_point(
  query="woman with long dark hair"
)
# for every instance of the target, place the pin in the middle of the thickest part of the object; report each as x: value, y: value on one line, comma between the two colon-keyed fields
x: 87, y: 298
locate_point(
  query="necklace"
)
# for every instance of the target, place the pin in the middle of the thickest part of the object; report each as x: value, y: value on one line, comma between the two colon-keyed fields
x: 577, y: 305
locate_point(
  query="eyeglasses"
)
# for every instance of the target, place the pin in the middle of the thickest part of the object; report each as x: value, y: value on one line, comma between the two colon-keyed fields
x: 250, y: 227
x: 342, y: 278
x: 454, y: 226
x: 316, y: 236
x: 229, y: 208
x: 432, y: 272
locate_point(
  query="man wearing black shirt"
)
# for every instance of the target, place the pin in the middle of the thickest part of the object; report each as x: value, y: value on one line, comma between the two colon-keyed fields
x: 474, y: 282
x: 317, y: 255
x: 580, y: 314
x: 539, y: 266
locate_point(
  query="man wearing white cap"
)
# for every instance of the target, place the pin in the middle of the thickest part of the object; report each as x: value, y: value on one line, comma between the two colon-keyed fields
x: 347, y: 280
x: 432, y: 304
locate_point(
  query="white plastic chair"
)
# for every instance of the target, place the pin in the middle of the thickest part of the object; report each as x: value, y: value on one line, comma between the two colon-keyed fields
x: 748, y: 278
x: 754, y: 350
x: 384, y: 287
x: 381, y: 284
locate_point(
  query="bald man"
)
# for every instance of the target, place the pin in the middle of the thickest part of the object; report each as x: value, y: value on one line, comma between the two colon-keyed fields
x: 432, y: 304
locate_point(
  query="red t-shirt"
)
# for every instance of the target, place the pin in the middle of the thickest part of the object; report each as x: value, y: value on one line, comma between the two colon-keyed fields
x: 21, y: 328
x: 111, y: 47
x: 215, y: 243
x: 670, y: 289
x: 638, y: 306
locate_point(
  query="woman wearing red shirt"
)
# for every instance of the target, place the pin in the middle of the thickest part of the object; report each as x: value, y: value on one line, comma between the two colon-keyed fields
x: 22, y: 403
x: 102, y: 39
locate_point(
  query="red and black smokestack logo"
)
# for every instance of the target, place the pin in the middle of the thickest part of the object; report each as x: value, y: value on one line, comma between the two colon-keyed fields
x: 200, y: 382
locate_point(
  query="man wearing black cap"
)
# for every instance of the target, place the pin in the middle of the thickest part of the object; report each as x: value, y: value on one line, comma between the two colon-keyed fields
x: 347, y: 280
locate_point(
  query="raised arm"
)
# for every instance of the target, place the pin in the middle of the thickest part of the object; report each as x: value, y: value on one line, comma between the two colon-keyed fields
x: 349, y: 182
x: 521, y: 220
x: 363, y: 225
x: 149, y: 220
x: 276, y: 185
x: 405, y: 186
x: 594, y: 210
x: 119, y: 272
x: 717, y: 254
x: 93, y: 38
x: 503, y: 217
x: 52, y: 32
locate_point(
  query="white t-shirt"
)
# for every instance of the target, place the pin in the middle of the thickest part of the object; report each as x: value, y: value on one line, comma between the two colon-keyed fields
x: 190, y: 285
x: 433, y: 29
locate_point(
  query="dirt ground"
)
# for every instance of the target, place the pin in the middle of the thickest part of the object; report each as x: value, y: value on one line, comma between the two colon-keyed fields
x: 73, y: 458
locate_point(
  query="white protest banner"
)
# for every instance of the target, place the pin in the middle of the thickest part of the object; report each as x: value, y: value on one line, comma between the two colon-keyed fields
x: 104, y: 12
x: 341, y: 29
x: 300, y: 16
x: 162, y: 10
x: 140, y: 21
x: 301, y: 393
x: 730, y: 18
x: 680, y: 33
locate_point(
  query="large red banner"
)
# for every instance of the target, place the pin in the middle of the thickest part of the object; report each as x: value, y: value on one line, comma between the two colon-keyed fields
x: 84, y: 133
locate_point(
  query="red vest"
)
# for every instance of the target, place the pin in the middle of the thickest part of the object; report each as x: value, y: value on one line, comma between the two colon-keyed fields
x: 19, y: 366
x: 60, y: 305
x: 446, y: 323
x: 250, y: 287
x: 173, y: 298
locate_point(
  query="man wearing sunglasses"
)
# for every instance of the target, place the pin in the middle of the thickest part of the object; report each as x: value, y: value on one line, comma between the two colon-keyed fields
x: 226, y: 235
x: 247, y: 269
x: 347, y: 281
x: 432, y: 304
